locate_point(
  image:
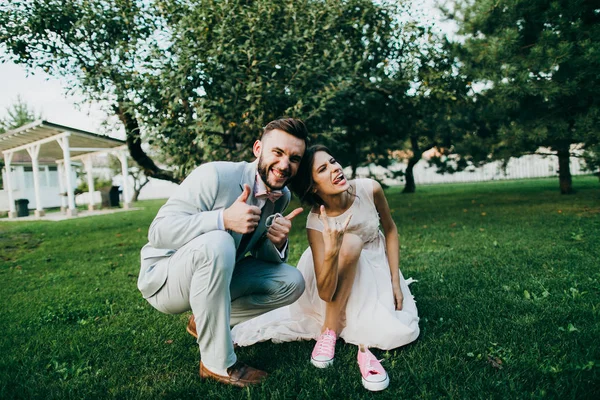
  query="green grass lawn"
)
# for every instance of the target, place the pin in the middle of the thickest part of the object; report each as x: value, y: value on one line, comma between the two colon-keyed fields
x: 508, y: 293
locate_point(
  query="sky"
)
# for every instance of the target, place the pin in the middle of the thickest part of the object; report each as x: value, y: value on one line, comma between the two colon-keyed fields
x: 48, y: 95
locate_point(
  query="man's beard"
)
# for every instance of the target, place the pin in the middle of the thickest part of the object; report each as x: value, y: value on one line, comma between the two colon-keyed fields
x: 263, y: 172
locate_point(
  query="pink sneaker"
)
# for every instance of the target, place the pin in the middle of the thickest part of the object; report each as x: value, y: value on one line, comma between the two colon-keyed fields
x: 374, y: 377
x: 324, y: 351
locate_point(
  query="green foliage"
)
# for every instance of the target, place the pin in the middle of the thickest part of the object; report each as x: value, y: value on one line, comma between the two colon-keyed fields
x: 538, y: 61
x: 361, y: 122
x: 230, y: 67
x: 198, y: 80
x: 97, y: 46
x: 18, y: 114
x: 99, y: 183
x: 75, y: 326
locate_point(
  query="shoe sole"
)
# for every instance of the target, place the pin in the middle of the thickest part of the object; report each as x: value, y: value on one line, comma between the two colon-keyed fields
x: 191, y: 333
x: 321, y: 364
x: 376, y: 386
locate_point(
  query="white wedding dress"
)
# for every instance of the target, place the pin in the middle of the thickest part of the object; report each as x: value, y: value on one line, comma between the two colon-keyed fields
x: 371, y: 318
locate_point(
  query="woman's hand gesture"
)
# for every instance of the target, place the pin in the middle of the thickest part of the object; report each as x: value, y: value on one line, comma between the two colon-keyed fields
x: 333, y: 232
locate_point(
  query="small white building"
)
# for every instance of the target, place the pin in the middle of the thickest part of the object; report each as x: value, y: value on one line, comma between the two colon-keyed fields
x: 39, y: 160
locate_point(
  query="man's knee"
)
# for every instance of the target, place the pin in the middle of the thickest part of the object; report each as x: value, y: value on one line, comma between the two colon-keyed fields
x: 215, y: 248
x: 294, y: 284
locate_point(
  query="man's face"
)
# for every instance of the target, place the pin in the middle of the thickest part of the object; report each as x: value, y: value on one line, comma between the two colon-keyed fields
x: 279, y: 155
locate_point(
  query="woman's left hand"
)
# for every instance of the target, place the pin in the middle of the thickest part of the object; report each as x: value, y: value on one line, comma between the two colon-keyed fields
x: 398, y: 297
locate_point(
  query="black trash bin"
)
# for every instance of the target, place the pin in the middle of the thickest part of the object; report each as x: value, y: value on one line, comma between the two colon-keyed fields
x: 113, y: 196
x: 22, y: 207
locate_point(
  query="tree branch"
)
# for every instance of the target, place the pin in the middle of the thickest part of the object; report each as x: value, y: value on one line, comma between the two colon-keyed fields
x: 134, y: 144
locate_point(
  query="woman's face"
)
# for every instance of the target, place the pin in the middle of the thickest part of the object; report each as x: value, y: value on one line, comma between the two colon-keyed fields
x: 327, y: 175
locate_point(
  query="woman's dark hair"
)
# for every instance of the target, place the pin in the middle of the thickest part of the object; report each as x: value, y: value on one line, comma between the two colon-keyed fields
x: 302, y: 184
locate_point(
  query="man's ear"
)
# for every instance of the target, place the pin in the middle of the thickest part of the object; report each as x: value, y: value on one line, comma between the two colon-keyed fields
x: 257, y: 148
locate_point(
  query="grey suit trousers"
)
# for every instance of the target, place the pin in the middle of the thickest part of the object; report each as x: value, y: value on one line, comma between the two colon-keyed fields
x: 203, y: 276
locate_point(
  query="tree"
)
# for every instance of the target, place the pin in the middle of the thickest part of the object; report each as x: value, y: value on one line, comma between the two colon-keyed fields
x: 98, y: 45
x: 411, y: 97
x: 139, y: 179
x: 539, y: 63
x: 196, y: 80
x: 232, y: 66
x: 18, y: 114
x: 424, y: 98
x: 361, y: 121
x: 435, y: 110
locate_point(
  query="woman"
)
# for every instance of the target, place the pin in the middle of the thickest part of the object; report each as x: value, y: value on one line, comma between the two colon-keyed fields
x: 354, y: 288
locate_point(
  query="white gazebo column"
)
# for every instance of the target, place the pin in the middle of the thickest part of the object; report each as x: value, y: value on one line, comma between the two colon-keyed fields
x: 87, y: 162
x: 125, y: 174
x: 64, y: 143
x: 12, y: 211
x: 34, y: 152
x: 61, y: 186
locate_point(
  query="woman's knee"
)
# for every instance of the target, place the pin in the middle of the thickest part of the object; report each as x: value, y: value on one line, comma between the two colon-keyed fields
x: 352, y: 246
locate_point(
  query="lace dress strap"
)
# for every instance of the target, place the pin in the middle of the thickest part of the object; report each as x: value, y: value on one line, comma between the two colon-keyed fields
x: 364, y: 187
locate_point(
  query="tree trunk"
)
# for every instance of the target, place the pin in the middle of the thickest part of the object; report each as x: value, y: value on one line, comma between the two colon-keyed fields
x: 354, y: 167
x: 138, y: 189
x: 409, y: 186
x: 134, y: 144
x: 564, y: 169
x: 135, y: 196
x: 409, y: 177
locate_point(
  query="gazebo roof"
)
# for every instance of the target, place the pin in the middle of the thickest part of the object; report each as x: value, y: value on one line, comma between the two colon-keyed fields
x: 80, y: 142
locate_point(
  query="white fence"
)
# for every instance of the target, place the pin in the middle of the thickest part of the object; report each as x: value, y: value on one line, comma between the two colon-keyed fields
x: 529, y: 166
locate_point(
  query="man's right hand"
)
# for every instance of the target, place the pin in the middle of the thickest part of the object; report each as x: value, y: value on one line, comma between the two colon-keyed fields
x: 241, y: 217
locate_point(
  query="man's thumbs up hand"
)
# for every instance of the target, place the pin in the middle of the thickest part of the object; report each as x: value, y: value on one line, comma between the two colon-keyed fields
x: 245, y: 194
x: 241, y: 217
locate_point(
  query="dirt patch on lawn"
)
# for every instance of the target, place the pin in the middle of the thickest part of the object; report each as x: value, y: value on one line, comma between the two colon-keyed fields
x: 11, y: 244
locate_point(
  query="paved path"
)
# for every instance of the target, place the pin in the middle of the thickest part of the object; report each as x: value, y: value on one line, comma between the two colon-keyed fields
x: 58, y: 216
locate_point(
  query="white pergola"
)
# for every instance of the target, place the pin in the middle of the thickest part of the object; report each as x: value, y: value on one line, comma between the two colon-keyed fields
x: 43, y: 139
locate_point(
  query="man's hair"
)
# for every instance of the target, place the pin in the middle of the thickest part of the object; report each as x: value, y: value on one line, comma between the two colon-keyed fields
x: 293, y: 126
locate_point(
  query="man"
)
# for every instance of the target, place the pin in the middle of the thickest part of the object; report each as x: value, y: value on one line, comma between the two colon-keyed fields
x: 195, y: 258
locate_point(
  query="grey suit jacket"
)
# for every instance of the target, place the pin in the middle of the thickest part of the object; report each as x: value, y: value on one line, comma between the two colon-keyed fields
x: 192, y: 210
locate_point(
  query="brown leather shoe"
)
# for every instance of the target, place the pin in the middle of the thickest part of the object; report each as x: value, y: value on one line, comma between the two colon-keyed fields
x: 239, y: 374
x: 191, y: 327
